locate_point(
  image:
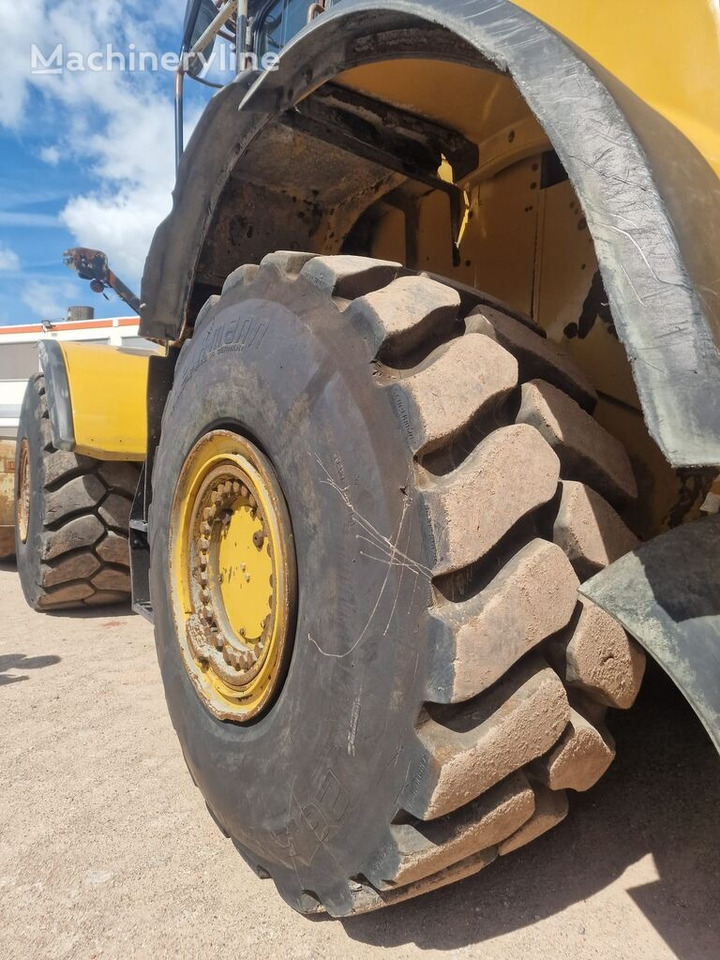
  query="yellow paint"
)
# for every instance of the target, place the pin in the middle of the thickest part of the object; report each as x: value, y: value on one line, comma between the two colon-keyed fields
x: 233, y: 575
x: 245, y: 572
x: 666, y: 51
x: 108, y: 395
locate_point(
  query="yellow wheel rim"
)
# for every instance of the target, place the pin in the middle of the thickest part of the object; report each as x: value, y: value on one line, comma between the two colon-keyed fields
x: 233, y: 575
x: 23, y: 495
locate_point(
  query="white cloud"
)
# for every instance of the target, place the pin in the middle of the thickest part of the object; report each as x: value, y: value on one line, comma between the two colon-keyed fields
x: 9, y: 260
x: 121, y: 224
x: 49, y: 300
x: 117, y: 126
x: 50, y: 155
x: 21, y: 26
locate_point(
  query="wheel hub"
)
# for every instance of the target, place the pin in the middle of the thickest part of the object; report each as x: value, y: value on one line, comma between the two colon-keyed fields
x: 233, y: 572
x: 23, y: 495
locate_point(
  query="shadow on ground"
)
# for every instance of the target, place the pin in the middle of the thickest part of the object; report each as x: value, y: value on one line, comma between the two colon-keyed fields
x: 18, y: 661
x: 661, y: 797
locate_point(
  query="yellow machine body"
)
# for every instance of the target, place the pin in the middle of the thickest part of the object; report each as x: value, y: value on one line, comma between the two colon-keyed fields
x: 97, y: 398
x: 666, y: 53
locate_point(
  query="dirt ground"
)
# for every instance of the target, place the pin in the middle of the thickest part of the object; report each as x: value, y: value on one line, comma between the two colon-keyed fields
x: 107, y: 851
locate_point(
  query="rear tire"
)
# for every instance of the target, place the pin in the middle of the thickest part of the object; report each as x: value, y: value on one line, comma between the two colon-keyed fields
x: 446, y: 486
x: 71, y: 517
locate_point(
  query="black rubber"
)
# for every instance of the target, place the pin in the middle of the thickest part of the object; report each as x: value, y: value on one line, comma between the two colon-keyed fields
x: 76, y: 553
x: 296, y: 358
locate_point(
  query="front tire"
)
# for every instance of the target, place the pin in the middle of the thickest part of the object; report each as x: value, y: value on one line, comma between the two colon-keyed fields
x: 446, y: 486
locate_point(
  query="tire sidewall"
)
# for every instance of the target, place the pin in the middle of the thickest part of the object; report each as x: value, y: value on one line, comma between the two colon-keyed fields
x: 29, y: 553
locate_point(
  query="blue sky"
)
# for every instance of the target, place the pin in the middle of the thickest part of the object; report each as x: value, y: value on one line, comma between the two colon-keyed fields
x: 85, y: 158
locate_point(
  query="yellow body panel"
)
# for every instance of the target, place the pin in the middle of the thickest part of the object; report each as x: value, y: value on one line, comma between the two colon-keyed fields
x: 108, y: 395
x: 665, y: 51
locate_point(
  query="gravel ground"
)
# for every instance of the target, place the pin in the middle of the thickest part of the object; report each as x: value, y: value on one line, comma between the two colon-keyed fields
x: 106, y: 849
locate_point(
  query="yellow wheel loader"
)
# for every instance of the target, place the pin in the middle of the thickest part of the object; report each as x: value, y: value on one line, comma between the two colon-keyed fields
x: 429, y: 453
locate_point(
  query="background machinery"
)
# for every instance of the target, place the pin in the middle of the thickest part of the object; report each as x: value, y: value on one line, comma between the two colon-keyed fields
x: 51, y: 571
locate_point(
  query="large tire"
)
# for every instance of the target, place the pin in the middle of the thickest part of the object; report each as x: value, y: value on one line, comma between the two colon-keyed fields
x: 71, y: 517
x: 446, y: 489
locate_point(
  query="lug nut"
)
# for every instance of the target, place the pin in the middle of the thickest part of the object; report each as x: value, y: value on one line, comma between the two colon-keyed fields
x: 258, y: 538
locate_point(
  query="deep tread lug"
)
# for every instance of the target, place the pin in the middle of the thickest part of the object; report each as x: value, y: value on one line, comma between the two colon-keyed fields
x: 598, y: 658
x: 70, y: 593
x: 78, y: 566
x: 418, y: 851
x: 538, y: 356
x: 477, y: 641
x: 348, y: 277
x: 79, y: 532
x: 370, y: 899
x: 551, y: 808
x: 589, y: 530
x: 239, y: 278
x: 288, y: 262
x: 110, y: 578
x: 457, y: 382
x: 81, y: 494
x: 115, y: 512
x: 61, y: 465
x: 120, y: 476
x: 105, y: 598
x: 509, y: 474
x: 397, y: 318
x: 581, y: 756
x: 480, y: 744
x: 113, y: 548
x: 207, y: 309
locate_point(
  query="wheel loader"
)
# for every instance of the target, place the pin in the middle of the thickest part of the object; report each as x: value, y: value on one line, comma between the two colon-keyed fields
x: 430, y: 442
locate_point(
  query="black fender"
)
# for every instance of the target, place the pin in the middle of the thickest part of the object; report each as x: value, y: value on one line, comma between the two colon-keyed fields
x: 57, y: 388
x: 667, y: 595
x: 663, y: 292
